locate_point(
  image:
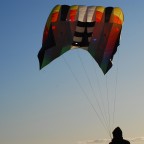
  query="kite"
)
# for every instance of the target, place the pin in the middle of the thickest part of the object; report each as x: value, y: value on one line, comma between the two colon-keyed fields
x: 95, y: 29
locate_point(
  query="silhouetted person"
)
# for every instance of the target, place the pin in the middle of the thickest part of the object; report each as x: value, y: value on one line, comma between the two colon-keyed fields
x: 118, y: 138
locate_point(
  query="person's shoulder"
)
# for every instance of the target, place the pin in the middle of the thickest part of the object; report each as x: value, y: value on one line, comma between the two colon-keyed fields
x: 126, y: 142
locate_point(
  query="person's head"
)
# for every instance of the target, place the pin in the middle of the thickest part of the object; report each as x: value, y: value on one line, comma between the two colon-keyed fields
x: 117, y: 133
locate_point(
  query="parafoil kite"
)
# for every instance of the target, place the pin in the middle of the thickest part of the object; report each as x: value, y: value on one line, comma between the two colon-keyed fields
x: 94, y: 28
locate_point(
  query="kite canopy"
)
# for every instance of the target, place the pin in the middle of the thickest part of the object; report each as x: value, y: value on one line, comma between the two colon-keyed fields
x: 94, y: 28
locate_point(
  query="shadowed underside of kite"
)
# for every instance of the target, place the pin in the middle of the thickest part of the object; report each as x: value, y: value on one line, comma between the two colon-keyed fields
x: 94, y: 28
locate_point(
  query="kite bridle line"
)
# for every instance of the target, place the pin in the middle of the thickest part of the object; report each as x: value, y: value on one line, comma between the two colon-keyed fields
x: 100, y: 115
x: 86, y: 96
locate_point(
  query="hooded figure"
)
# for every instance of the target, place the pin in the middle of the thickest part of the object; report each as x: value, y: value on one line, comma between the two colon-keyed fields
x: 118, y: 138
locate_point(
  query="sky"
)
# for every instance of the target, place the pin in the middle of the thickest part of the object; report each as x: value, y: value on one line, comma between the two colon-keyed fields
x: 49, y: 106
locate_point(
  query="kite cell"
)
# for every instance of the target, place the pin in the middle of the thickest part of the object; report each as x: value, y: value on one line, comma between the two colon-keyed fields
x: 96, y: 29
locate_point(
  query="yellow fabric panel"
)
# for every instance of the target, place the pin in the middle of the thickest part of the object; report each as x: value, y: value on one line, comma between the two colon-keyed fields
x: 55, y: 13
x: 55, y: 10
x: 100, y: 9
x: 74, y: 7
x: 117, y: 16
x: 73, y: 13
x: 99, y: 13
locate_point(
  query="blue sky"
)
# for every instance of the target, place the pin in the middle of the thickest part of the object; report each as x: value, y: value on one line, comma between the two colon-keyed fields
x: 48, y: 106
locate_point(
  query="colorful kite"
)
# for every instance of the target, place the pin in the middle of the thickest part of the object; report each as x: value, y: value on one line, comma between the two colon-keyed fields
x: 94, y: 28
